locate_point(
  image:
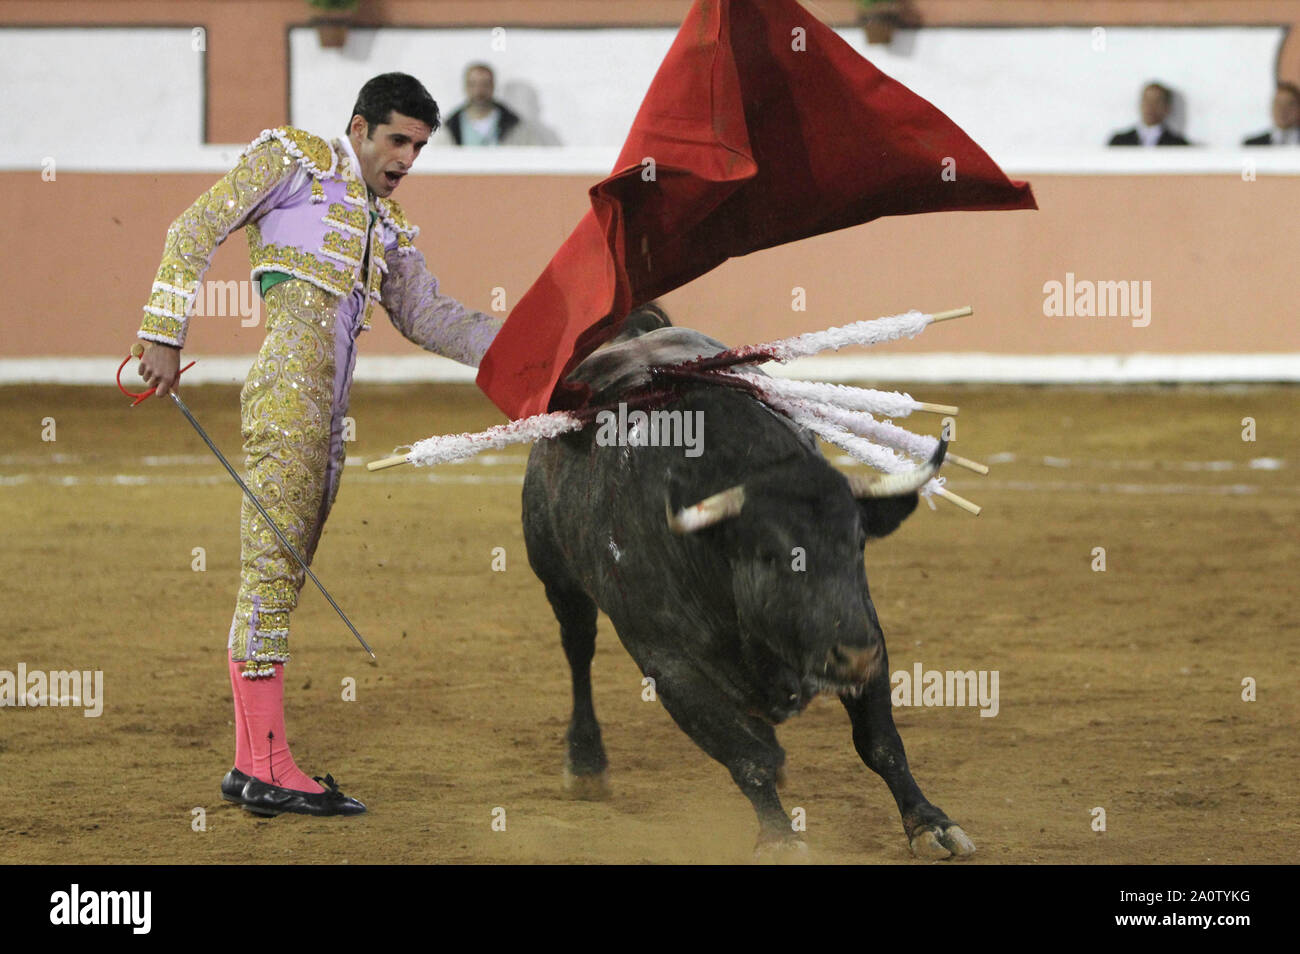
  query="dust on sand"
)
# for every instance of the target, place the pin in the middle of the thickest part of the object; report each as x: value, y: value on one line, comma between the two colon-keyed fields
x: 1119, y: 689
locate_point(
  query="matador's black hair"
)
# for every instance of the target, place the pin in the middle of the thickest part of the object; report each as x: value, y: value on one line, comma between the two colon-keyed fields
x: 394, y: 92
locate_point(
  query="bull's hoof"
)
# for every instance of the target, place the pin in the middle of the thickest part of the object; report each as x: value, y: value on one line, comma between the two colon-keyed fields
x: 586, y: 788
x: 940, y: 842
x: 782, y: 851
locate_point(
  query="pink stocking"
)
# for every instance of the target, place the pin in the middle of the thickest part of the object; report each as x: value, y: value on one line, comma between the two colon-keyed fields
x: 261, y: 749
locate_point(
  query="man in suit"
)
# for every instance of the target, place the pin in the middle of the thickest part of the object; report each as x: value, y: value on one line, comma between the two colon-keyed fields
x: 484, y: 120
x: 1286, y: 119
x: 1151, y: 130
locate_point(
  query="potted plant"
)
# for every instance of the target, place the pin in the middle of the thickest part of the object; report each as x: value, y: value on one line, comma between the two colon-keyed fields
x: 332, y: 28
x: 881, y: 17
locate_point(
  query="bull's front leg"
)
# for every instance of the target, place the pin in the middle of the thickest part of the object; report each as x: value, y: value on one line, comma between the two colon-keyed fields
x: 930, y: 833
x: 585, y: 763
x: 746, y: 745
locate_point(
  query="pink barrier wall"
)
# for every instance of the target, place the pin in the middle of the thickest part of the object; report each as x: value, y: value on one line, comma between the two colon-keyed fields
x: 1220, y: 254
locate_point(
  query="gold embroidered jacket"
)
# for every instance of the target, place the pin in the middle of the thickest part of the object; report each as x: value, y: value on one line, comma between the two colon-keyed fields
x: 308, y: 213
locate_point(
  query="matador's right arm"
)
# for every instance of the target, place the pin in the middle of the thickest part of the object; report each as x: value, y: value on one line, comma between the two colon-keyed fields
x: 270, y: 169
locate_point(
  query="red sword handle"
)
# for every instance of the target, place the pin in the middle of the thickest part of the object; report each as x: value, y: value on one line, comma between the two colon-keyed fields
x: 137, y: 350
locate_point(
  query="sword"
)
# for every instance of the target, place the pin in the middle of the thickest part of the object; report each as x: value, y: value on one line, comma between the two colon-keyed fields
x: 136, y: 351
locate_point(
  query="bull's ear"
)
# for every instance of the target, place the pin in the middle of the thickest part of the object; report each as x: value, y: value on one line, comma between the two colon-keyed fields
x: 882, y: 515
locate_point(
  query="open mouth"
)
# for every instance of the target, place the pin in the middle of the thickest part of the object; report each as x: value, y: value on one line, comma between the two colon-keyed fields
x: 393, y: 178
x: 815, y: 685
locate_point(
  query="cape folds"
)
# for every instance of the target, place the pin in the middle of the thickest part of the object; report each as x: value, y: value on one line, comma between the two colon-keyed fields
x: 761, y: 127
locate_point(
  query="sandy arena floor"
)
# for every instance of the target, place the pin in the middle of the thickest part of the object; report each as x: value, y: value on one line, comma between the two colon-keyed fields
x: 1119, y: 689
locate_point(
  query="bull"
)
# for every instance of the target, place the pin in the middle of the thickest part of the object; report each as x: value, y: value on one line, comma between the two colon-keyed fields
x: 733, y: 577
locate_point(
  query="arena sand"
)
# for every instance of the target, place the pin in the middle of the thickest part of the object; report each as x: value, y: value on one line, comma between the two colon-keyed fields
x: 1119, y: 690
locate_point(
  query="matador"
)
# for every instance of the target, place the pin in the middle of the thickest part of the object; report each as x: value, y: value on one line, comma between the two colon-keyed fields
x: 326, y: 243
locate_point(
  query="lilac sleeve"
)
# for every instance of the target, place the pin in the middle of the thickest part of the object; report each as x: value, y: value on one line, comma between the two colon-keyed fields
x: 435, y: 322
x: 264, y: 177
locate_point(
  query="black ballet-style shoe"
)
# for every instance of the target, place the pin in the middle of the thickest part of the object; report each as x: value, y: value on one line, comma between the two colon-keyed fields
x: 271, y: 800
x: 232, y: 786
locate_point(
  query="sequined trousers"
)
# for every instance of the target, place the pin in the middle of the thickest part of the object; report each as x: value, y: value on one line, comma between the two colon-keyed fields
x: 292, y: 409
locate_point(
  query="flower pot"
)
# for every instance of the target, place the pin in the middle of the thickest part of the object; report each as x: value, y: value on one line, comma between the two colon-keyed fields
x: 333, y: 32
x: 880, y: 27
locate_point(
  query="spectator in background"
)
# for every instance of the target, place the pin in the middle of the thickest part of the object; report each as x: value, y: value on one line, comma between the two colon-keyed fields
x: 1286, y: 119
x: 484, y: 120
x: 1157, y: 100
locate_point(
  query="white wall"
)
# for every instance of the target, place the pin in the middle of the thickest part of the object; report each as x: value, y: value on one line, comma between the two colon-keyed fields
x: 1036, y: 99
x: 1013, y: 90
x: 1043, y: 89
x: 86, y: 95
x: 588, y: 83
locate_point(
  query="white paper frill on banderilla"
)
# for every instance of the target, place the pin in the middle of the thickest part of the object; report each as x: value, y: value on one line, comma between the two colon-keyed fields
x: 847, y: 417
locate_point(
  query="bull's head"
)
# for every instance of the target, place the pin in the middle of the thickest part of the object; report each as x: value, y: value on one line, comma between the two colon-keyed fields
x: 793, y: 535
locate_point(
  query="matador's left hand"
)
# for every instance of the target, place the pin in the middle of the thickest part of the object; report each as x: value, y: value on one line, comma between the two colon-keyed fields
x: 160, y: 367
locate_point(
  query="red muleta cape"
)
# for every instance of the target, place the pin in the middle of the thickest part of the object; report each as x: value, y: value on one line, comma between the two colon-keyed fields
x: 752, y: 134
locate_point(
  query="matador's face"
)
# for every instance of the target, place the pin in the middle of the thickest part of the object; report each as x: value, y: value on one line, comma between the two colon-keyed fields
x: 388, y: 152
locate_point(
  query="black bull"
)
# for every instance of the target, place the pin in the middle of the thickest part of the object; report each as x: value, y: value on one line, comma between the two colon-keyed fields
x: 740, y: 610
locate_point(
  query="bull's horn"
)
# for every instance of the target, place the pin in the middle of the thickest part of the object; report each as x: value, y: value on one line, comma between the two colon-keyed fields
x: 707, y: 512
x: 896, y: 485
